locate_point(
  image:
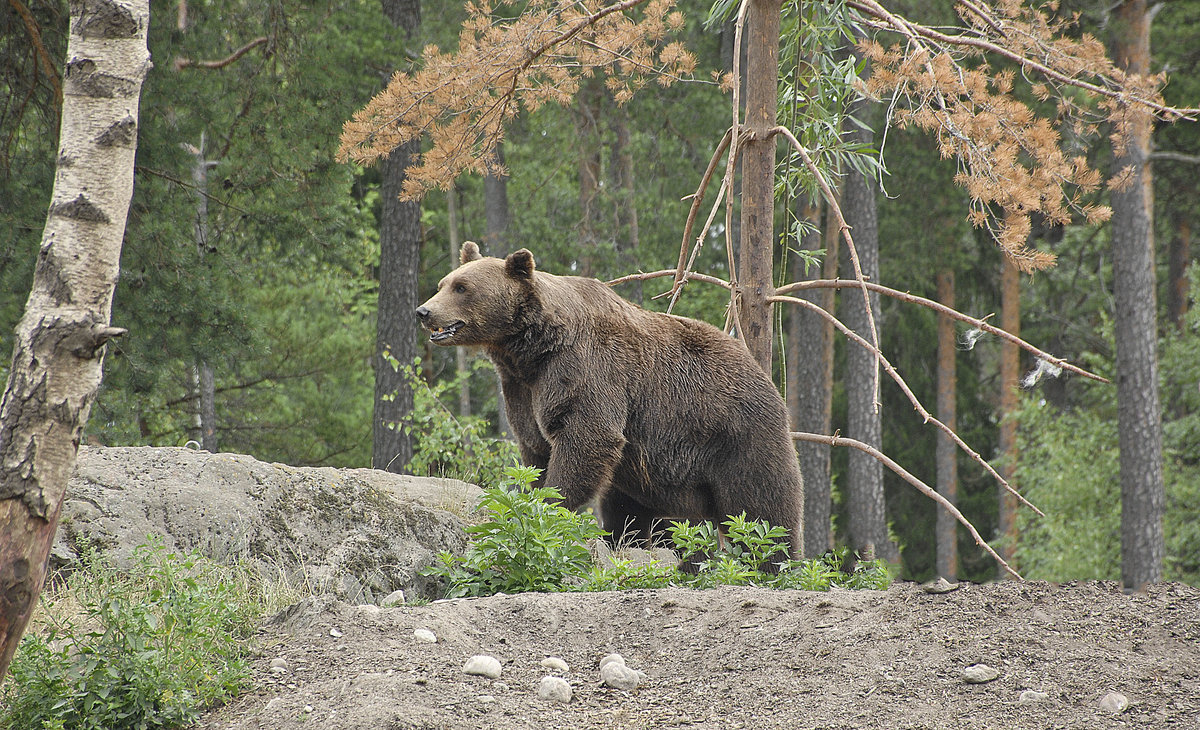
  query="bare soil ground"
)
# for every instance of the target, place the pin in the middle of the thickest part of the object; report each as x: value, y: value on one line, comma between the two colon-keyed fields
x: 741, y: 658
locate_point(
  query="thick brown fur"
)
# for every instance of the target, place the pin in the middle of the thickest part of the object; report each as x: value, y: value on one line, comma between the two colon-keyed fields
x: 656, y: 415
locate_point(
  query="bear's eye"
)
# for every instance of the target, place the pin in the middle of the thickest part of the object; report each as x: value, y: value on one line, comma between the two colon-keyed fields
x: 460, y: 288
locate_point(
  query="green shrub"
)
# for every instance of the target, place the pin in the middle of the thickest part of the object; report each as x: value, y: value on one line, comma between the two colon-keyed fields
x: 445, y: 444
x: 527, y: 544
x: 149, y: 647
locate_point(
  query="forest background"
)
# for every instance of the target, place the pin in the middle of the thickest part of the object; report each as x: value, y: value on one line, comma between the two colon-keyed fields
x: 251, y: 264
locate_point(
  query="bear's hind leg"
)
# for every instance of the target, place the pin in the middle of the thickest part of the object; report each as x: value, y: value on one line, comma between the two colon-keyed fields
x: 630, y: 522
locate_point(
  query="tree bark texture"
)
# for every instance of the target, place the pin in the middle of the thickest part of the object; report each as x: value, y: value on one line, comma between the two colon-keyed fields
x: 947, y: 412
x: 809, y: 391
x: 625, y: 213
x: 589, y: 102
x: 1177, y: 271
x: 59, y: 346
x: 756, y: 252
x: 864, y: 478
x: 495, y: 211
x: 396, y: 328
x: 1139, y: 420
x: 1010, y: 376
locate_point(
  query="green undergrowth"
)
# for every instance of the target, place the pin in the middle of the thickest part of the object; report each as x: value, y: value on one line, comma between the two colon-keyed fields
x: 148, y: 646
x: 530, y: 542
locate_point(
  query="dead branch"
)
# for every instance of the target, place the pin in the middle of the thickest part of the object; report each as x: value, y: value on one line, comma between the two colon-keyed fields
x: 912, y: 398
x: 669, y: 272
x: 182, y: 63
x: 836, y: 209
x: 697, y: 199
x: 921, y: 487
x: 943, y: 309
x: 35, y: 37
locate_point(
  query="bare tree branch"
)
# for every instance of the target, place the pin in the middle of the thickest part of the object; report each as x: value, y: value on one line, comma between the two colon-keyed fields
x: 923, y: 488
x: 182, y: 63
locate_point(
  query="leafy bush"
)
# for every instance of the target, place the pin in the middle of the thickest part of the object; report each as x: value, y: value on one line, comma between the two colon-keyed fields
x: 527, y: 544
x: 449, y: 445
x: 148, y: 648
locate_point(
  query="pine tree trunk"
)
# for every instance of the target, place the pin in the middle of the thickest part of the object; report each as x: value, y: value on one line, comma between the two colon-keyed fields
x: 396, y: 332
x: 1139, y: 420
x: 59, y: 346
x: 1010, y: 375
x: 587, y: 128
x: 1178, y: 288
x: 460, y: 353
x: 810, y: 339
x: 947, y: 413
x: 396, y: 326
x: 864, y: 478
x: 756, y: 252
x: 625, y: 213
x: 495, y: 211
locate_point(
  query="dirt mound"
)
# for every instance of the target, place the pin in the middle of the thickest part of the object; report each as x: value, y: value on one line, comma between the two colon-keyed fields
x: 742, y: 658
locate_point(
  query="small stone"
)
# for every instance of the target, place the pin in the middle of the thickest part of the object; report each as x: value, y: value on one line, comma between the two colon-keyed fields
x: 555, y: 664
x: 618, y: 676
x: 486, y: 699
x: 395, y: 598
x: 368, y: 610
x: 1114, y: 702
x: 335, y: 633
x: 308, y: 708
x: 554, y: 688
x: 612, y: 658
x: 279, y: 665
x: 483, y: 666
x: 941, y: 585
x: 979, y: 673
x: 425, y: 635
x: 1032, y: 695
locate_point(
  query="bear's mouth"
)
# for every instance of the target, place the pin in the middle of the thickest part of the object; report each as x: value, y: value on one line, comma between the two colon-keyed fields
x: 437, y: 334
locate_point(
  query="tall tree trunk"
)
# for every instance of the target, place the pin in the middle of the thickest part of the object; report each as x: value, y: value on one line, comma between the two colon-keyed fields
x: 495, y: 211
x: 756, y: 252
x: 399, y: 267
x: 396, y: 330
x: 947, y: 413
x: 1010, y: 375
x: 59, y: 343
x: 587, y: 126
x: 1177, y: 270
x: 864, y: 478
x: 625, y: 200
x: 1139, y: 420
x: 810, y: 340
x: 204, y: 379
x: 460, y: 353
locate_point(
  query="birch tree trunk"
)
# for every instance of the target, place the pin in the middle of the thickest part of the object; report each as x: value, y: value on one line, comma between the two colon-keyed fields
x: 59, y: 349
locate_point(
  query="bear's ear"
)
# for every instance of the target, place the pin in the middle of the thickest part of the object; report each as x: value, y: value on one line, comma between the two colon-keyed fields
x: 519, y: 264
x: 470, y: 252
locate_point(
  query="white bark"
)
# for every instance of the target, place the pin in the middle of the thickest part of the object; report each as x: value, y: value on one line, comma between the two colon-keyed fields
x: 59, y: 347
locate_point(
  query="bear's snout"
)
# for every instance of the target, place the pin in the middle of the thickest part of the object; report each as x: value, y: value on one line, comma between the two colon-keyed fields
x: 423, y: 312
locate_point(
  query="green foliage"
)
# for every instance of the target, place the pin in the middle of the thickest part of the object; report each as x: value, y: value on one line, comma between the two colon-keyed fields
x: 449, y: 445
x: 528, y: 544
x: 152, y: 647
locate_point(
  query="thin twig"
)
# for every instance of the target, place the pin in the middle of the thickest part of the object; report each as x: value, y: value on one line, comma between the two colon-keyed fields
x: 943, y: 309
x: 668, y: 272
x: 35, y: 37
x: 182, y: 63
x: 697, y: 199
x: 921, y: 487
x: 912, y: 398
x: 836, y: 209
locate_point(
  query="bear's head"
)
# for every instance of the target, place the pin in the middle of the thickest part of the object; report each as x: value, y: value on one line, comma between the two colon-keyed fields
x: 478, y: 303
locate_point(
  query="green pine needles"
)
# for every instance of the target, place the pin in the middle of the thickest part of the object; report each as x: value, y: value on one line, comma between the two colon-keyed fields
x: 529, y: 542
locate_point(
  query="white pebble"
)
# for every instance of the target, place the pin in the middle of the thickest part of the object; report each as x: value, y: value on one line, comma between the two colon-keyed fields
x: 279, y: 664
x: 483, y: 666
x: 486, y: 699
x: 395, y: 598
x: 1114, y: 702
x: 1032, y: 695
x: 554, y: 688
x: 612, y: 658
x: 555, y: 664
x: 980, y: 673
x: 335, y: 633
x: 425, y: 635
x: 615, y: 674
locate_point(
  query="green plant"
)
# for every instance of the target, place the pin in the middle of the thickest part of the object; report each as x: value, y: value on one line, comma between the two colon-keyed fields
x: 530, y: 542
x: 445, y: 444
x: 148, y: 647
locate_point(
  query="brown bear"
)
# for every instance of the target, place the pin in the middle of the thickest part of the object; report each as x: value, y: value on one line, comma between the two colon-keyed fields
x: 658, y: 416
